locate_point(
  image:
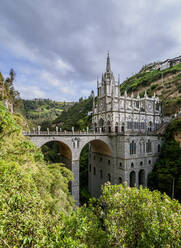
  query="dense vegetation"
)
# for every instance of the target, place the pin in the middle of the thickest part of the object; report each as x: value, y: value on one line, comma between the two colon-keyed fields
x: 51, y: 153
x: 44, y: 111
x: 8, y: 92
x: 76, y: 116
x: 166, y: 175
x: 32, y: 193
x: 125, y: 217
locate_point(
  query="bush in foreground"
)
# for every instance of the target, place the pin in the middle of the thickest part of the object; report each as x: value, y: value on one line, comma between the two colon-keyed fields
x: 125, y: 217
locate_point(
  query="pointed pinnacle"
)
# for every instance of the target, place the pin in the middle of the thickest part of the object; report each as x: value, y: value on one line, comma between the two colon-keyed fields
x: 108, y: 64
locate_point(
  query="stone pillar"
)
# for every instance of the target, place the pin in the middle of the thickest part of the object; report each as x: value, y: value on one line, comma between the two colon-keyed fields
x: 39, y: 128
x: 75, y: 183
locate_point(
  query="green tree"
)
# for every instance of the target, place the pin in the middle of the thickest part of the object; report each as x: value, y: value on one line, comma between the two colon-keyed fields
x: 166, y: 175
x: 124, y: 217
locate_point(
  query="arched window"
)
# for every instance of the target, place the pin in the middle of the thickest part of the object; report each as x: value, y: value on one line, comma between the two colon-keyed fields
x: 120, y: 165
x: 158, y: 147
x: 150, y: 126
x: 149, y: 161
x: 142, y: 177
x: 120, y: 180
x: 122, y: 128
x: 148, y: 146
x: 132, y: 178
x: 109, y: 177
x: 101, y: 176
x: 141, y: 163
x: 132, y: 165
x: 116, y: 127
x: 101, y: 124
x: 132, y: 147
x: 109, y: 126
x: 94, y: 171
x: 95, y: 126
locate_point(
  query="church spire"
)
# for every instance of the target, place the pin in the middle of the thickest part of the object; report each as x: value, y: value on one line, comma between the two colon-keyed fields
x: 108, y: 64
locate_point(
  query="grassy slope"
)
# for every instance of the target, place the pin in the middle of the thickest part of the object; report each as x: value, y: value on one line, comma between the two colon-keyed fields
x: 42, y: 110
x: 168, y: 89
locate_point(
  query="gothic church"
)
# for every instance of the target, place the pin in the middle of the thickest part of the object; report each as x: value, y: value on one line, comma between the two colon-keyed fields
x: 132, y: 124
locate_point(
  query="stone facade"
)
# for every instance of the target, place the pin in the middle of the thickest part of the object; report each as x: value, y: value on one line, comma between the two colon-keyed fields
x: 116, y: 113
x: 131, y: 123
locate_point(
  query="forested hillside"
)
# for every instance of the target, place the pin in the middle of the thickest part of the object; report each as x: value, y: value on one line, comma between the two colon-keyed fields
x: 44, y: 111
x: 76, y: 116
x: 166, y: 84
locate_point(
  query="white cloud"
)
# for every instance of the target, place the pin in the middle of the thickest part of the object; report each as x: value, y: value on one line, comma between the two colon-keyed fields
x: 64, y: 67
x: 29, y: 92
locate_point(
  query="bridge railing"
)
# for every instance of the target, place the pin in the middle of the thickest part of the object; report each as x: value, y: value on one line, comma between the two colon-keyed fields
x: 69, y: 133
x: 53, y: 133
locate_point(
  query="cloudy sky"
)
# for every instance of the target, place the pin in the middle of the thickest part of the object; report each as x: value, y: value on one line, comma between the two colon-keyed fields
x: 58, y: 47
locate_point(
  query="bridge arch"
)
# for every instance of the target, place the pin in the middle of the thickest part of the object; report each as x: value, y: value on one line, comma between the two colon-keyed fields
x: 94, y: 173
x: 72, y: 145
x: 64, y: 151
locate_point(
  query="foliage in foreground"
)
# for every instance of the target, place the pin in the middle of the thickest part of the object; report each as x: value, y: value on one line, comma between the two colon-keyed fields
x: 32, y: 194
x: 124, y: 217
x: 36, y: 208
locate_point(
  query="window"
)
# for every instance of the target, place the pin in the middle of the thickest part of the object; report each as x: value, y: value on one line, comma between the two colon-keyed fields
x: 132, y: 178
x: 132, y: 148
x: 120, y: 180
x: 141, y: 163
x: 149, y: 161
x: 129, y: 125
x: 109, y: 177
x: 94, y: 158
x: 158, y: 147
x: 94, y: 171
x: 101, y: 176
x: 142, y: 125
x: 141, y: 177
x: 109, y: 161
x: 90, y: 167
x: 132, y: 165
x: 120, y: 165
x: 136, y: 125
x: 100, y: 159
x: 148, y: 146
x: 137, y: 104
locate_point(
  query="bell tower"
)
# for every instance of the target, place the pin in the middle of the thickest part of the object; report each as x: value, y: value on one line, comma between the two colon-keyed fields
x: 106, y: 87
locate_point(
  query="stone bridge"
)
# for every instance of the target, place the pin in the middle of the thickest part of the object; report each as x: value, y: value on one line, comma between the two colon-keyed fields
x: 71, y: 145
